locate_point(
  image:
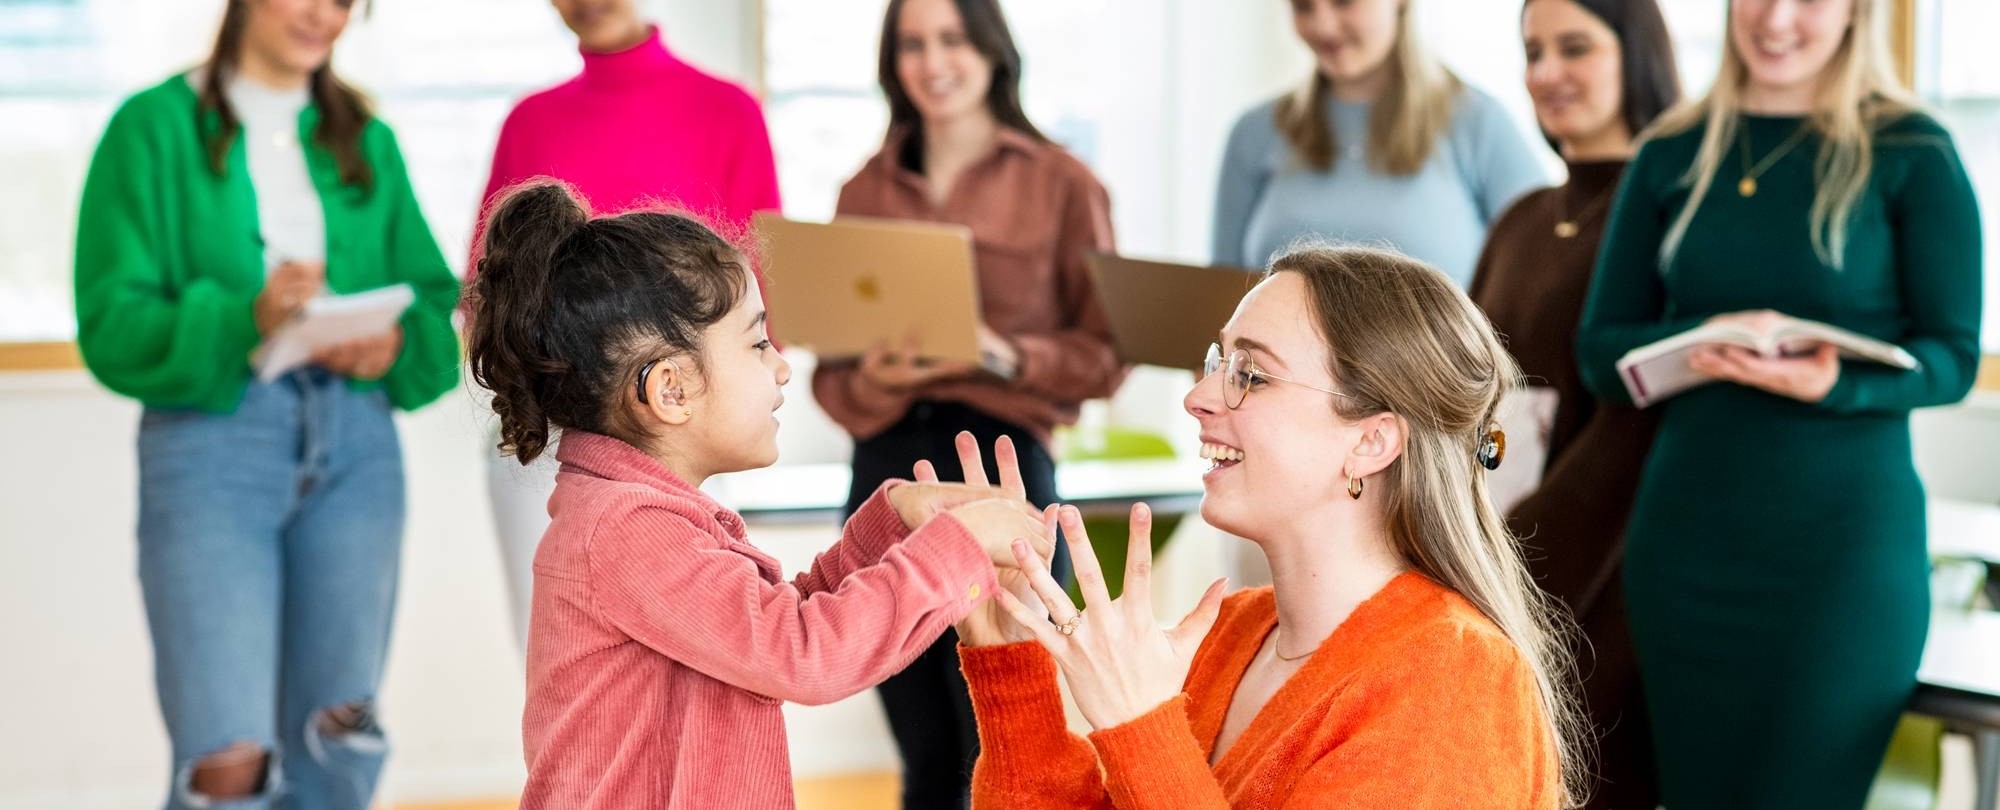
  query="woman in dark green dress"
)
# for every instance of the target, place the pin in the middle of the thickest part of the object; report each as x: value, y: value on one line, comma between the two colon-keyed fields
x: 1775, y: 572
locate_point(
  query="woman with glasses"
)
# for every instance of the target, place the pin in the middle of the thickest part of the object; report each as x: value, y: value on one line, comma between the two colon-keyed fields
x: 1402, y: 658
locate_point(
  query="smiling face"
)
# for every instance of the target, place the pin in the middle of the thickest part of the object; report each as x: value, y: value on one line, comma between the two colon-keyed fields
x: 291, y: 38
x: 1785, y: 45
x: 1283, y: 451
x: 742, y: 377
x: 939, y: 67
x: 1350, y: 39
x: 1575, y: 73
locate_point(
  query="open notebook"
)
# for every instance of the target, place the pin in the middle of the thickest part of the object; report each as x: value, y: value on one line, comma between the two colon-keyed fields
x: 1659, y: 370
x: 328, y: 320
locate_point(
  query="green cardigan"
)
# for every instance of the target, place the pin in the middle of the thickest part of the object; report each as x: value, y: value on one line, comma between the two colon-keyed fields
x: 169, y: 259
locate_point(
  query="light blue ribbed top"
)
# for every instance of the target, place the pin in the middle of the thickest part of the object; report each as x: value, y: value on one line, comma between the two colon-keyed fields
x: 1267, y: 198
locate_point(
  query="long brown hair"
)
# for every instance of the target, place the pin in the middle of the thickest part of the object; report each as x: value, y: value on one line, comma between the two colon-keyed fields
x: 343, y: 111
x: 1403, y: 126
x: 986, y: 28
x: 1405, y: 340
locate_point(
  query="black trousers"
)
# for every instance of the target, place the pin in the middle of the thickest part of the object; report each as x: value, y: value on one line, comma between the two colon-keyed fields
x: 930, y: 712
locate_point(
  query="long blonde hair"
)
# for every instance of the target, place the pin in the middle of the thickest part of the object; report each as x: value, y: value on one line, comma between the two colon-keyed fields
x: 1404, y: 125
x: 1409, y: 342
x: 1859, y: 92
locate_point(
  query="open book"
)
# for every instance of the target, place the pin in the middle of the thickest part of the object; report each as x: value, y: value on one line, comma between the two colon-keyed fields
x: 328, y: 320
x: 1659, y: 370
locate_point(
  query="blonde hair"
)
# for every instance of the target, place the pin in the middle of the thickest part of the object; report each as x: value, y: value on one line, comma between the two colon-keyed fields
x: 1405, y: 340
x: 1406, y: 122
x: 1859, y: 92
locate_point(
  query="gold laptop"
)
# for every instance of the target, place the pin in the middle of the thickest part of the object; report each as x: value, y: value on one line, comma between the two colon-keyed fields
x: 842, y: 287
x: 1166, y: 313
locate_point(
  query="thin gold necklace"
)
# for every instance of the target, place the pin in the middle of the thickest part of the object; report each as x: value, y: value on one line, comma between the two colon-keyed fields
x: 1567, y: 228
x: 1286, y: 658
x: 1748, y: 185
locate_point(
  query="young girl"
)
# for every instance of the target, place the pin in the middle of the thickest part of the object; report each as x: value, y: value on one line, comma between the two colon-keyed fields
x: 638, y: 124
x: 662, y: 642
x: 1403, y: 658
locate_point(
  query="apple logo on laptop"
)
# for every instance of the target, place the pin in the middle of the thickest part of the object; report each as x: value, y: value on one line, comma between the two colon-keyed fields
x: 868, y: 289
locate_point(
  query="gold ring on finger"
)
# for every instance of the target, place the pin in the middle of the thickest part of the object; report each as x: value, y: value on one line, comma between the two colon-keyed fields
x: 1069, y: 627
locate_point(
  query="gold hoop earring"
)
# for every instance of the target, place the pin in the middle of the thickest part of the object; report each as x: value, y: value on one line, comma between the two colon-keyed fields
x: 1354, y: 487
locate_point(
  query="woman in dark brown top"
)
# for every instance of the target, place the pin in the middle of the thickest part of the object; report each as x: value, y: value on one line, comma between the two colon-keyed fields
x: 1599, y: 71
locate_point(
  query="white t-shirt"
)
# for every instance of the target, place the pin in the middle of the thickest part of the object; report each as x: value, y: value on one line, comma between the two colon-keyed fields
x: 288, y: 206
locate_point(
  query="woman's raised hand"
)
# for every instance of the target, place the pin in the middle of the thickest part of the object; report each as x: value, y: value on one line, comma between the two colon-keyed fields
x: 1119, y: 662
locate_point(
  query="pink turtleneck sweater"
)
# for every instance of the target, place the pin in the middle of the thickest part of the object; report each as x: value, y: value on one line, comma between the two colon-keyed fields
x: 640, y: 126
x: 663, y: 642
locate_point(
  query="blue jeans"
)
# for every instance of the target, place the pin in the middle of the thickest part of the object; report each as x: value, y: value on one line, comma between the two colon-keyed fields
x: 269, y: 542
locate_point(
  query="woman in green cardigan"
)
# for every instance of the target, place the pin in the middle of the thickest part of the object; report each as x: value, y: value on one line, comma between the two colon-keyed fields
x: 270, y: 513
x: 1775, y: 571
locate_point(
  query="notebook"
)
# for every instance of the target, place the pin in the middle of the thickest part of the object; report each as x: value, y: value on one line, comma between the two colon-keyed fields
x: 328, y: 320
x: 1659, y: 370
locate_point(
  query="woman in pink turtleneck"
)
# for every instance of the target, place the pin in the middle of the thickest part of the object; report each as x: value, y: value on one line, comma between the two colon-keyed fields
x: 638, y: 127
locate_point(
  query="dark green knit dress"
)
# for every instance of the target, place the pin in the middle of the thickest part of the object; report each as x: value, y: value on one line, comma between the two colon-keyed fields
x: 1775, y: 567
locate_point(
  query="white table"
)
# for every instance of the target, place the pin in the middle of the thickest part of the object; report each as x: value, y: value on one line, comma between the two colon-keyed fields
x: 1968, y: 530
x: 1959, y: 683
x: 815, y: 493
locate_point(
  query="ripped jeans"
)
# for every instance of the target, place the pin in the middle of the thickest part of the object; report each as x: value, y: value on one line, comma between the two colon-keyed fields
x: 269, y: 543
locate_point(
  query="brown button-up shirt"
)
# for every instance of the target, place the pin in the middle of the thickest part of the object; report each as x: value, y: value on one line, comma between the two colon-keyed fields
x: 1034, y: 211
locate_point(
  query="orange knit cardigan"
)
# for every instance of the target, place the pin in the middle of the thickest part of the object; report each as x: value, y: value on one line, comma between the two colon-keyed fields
x: 1416, y: 702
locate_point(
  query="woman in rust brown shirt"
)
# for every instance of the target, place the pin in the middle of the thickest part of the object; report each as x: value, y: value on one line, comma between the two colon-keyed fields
x: 1598, y: 71
x: 960, y: 149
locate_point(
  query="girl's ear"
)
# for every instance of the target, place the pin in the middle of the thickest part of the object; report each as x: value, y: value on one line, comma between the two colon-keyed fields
x: 666, y: 400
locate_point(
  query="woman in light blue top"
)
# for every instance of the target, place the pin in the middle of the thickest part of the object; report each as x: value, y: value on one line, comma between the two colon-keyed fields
x: 1382, y: 146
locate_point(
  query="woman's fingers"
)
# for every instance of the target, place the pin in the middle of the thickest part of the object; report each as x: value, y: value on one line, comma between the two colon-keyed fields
x: 1139, y: 560
x: 1195, y: 626
x: 1083, y: 560
x: 925, y: 472
x: 1046, y: 587
x: 1034, y: 621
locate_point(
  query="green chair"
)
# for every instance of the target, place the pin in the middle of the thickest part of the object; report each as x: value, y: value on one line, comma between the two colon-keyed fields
x: 1108, y: 534
x: 1910, y: 772
x: 1909, y: 776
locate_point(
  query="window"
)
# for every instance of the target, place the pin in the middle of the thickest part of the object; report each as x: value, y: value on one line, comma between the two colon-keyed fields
x: 1959, y: 77
x: 827, y: 114
x: 1480, y: 40
x: 66, y: 64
